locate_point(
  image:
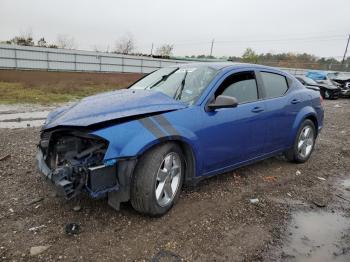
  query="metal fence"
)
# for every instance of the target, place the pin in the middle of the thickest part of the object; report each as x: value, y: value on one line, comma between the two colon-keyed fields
x: 38, y: 58
x: 51, y: 59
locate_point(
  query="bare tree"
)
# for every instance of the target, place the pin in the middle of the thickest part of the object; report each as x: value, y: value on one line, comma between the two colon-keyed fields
x: 125, y: 45
x: 42, y: 42
x: 25, y: 38
x: 66, y: 42
x: 165, y: 50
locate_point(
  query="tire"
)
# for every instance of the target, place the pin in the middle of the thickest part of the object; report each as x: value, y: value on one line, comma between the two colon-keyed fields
x: 301, y: 151
x: 151, y: 175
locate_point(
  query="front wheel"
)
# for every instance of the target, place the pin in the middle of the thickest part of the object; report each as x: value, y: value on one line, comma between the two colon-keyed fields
x: 304, y: 143
x: 157, y: 180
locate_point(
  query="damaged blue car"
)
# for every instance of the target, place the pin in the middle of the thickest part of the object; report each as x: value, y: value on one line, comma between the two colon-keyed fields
x: 176, y: 126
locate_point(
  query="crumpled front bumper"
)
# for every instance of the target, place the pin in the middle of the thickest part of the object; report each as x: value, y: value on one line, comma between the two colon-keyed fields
x: 345, y: 92
x: 101, y: 181
x: 70, y: 181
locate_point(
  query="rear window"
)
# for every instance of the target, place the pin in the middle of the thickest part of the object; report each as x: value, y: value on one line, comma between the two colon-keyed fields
x: 275, y: 85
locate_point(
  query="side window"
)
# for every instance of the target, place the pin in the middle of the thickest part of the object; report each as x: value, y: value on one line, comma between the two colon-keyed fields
x: 275, y: 85
x: 242, y: 86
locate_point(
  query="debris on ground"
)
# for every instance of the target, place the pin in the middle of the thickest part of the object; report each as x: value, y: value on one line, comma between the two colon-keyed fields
x: 165, y: 255
x: 36, y: 228
x: 5, y: 157
x: 77, y: 208
x: 298, y: 173
x: 289, y: 194
x: 72, y: 229
x: 254, y: 200
x: 38, y: 250
x: 321, y: 178
x: 270, y: 179
x: 319, y: 203
x: 35, y: 200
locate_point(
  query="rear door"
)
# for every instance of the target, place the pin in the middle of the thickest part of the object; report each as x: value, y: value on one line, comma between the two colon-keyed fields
x: 282, y: 106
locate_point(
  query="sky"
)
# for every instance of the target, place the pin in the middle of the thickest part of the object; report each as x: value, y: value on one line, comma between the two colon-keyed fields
x: 318, y: 27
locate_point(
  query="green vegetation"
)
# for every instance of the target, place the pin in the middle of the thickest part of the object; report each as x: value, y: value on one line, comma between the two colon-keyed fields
x: 291, y: 60
x: 11, y: 93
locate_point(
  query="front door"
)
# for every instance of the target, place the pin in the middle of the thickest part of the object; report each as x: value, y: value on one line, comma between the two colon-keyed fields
x: 234, y: 135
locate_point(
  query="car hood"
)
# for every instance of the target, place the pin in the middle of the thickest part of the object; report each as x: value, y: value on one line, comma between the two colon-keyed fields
x: 342, y: 78
x: 111, y: 106
x: 327, y: 84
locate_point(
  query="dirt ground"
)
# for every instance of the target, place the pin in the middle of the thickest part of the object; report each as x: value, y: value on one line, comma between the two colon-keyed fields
x: 47, y: 88
x: 70, y: 79
x: 214, y: 221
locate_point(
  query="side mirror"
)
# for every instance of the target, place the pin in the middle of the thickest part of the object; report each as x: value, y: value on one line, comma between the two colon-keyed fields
x: 223, y: 102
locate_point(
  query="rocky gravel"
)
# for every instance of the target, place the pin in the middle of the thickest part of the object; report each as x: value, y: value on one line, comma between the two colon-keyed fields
x: 214, y: 221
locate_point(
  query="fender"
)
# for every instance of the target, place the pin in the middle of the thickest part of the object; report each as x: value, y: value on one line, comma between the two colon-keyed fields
x: 304, y: 113
x: 133, y: 138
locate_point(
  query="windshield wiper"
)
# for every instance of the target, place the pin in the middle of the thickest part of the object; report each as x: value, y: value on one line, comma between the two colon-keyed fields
x: 178, y: 92
x: 163, y: 78
x: 159, y: 81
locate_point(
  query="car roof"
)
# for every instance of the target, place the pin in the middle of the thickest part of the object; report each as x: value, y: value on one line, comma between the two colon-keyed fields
x: 222, y: 65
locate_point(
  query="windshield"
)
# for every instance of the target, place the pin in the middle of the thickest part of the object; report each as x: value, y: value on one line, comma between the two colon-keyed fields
x: 309, y: 81
x: 185, y: 84
x: 333, y: 75
x: 339, y: 75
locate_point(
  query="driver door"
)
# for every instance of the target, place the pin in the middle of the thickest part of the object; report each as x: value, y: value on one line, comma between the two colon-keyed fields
x: 234, y: 135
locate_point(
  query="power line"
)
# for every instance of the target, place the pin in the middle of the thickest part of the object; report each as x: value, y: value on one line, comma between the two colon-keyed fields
x: 327, y: 38
x: 243, y: 40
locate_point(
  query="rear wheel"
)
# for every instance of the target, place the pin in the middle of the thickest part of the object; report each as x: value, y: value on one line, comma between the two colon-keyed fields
x: 157, y: 180
x: 304, y: 143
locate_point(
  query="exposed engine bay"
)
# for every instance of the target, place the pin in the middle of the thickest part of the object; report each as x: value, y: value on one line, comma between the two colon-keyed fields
x: 75, y: 162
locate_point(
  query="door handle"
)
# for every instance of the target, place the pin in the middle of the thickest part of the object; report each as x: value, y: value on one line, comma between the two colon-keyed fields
x: 295, y: 101
x: 257, y: 109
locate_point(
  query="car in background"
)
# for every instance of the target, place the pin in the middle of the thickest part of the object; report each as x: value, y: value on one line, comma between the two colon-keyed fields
x: 176, y: 126
x: 343, y: 80
x: 338, y: 79
x: 329, y: 91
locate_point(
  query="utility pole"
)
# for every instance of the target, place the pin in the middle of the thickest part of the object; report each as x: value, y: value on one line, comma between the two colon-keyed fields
x: 152, y: 50
x: 211, y: 48
x: 346, y: 50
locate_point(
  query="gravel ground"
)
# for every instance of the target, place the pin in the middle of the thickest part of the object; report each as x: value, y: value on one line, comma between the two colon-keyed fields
x: 214, y: 221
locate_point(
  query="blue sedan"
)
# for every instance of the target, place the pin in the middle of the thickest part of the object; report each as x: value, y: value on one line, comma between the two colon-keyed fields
x: 176, y: 126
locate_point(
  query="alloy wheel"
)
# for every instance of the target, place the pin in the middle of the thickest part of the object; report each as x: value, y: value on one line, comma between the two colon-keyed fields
x: 168, y: 179
x: 306, y: 141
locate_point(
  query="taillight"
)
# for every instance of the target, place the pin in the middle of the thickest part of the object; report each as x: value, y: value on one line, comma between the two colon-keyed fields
x: 321, y: 100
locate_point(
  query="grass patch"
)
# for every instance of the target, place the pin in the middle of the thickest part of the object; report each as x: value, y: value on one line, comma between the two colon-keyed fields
x: 12, y: 92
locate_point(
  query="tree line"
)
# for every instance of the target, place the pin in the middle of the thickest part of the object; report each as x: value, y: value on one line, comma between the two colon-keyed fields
x: 293, y: 60
x: 124, y: 45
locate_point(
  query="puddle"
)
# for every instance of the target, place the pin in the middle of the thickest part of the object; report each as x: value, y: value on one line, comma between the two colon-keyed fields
x: 21, y: 120
x: 318, y: 237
